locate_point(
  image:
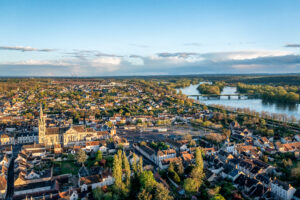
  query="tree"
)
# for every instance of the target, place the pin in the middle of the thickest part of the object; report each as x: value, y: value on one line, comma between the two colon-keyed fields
x: 180, y: 168
x: 176, y: 178
x: 187, y: 137
x: 117, y: 172
x: 134, y: 163
x: 227, y: 133
x: 140, y: 165
x: 190, y: 185
x: 296, y: 172
x: 98, y: 193
x: 81, y: 156
x: 217, y: 197
x: 199, y: 159
x: 192, y: 143
x: 193, y: 183
x: 144, y: 195
x: 162, y: 193
x: 98, y: 156
x: 147, y: 180
x: 127, y: 169
x: 171, y: 167
x: 71, y: 156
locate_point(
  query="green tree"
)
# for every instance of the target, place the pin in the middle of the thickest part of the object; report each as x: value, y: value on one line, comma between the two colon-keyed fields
x: 171, y: 167
x: 199, y: 159
x: 117, y: 172
x: 134, y: 163
x: 126, y: 169
x: 81, y: 156
x: 98, y: 156
x: 140, y: 165
x: 98, y: 193
x: 147, y: 180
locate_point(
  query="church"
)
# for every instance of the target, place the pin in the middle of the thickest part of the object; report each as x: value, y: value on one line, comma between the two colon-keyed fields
x: 68, y: 135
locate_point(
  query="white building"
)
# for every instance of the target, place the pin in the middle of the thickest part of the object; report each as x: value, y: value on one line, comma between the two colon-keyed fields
x: 282, y: 190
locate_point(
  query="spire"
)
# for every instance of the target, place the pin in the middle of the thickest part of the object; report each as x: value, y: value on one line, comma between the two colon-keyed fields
x: 41, y: 111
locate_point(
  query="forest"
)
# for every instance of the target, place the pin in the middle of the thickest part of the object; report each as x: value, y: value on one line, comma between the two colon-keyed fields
x: 285, y: 94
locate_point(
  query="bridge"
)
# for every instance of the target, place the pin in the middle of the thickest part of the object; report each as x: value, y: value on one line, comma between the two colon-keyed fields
x: 218, y: 96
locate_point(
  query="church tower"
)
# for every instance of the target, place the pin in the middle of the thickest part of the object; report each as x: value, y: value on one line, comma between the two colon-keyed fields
x: 42, y: 126
x: 113, y: 131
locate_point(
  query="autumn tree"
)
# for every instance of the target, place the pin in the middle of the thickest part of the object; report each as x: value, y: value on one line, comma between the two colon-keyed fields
x: 162, y: 193
x: 193, y: 183
x: 140, y: 165
x: 144, y: 195
x: 117, y: 172
x: 126, y: 169
x: 134, y: 163
x: 98, y: 156
x: 81, y: 156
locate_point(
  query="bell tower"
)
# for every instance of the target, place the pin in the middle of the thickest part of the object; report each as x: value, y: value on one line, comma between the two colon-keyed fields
x: 42, y: 126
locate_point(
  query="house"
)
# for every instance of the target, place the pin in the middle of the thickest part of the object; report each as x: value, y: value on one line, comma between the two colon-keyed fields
x: 224, y: 155
x: 34, y: 187
x: 164, y: 154
x: 92, y: 146
x: 95, y: 181
x: 178, y: 146
x: 264, y: 179
x: 187, y: 157
x: 164, y: 164
x: 209, y: 175
x: 282, y: 190
x: 146, y: 151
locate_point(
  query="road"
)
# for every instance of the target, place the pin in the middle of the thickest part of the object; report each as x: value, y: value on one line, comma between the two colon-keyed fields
x: 10, y: 174
x: 10, y: 180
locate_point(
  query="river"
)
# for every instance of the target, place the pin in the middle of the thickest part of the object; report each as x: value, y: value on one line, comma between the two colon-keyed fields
x: 254, y: 104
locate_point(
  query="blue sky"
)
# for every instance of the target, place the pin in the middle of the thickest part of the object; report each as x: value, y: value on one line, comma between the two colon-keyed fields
x: 148, y: 37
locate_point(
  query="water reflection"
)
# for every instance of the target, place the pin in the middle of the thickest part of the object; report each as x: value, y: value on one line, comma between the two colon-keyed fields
x: 281, y: 106
x: 258, y: 105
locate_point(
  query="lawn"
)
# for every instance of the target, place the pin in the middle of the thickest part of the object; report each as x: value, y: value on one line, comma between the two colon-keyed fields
x: 66, y: 167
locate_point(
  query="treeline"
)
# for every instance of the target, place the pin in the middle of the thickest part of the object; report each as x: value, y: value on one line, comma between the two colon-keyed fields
x: 287, y: 94
x: 182, y: 82
x: 215, y: 88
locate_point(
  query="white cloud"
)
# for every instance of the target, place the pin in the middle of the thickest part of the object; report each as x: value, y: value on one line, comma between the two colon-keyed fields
x: 95, y: 64
x: 21, y: 48
x: 243, y: 55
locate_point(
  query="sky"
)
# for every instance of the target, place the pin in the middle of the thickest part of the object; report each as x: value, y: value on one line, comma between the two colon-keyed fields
x: 148, y: 37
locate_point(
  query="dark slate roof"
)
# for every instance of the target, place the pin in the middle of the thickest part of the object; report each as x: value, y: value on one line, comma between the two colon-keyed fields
x: 223, y: 153
x: 147, y: 149
x: 34, y: 185
x: 233, y: 173
x: 263, y: 178
x: 255, y: 170
x: 281, y: 184
x: 257, y: 191
x: 227, y: 169
x: 246, y: 165
x: 240, y: 180
x: 250, y: 182
x: 234, y: 161
x: 261, y: 164
x: 83, y: 171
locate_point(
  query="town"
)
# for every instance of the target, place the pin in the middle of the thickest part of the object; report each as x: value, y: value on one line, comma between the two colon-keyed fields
x: 119, y: 138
